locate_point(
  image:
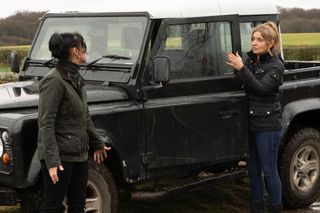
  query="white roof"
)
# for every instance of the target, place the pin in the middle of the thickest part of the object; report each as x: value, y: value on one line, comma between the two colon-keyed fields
x: 175, y: 8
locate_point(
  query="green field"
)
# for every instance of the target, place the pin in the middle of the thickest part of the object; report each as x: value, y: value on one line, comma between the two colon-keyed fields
x: 288, y: 39
x: 296, y: 46
x: 22, y: 47
x: 300, y: 39
x: 4, y: 68
x: 5, y: 52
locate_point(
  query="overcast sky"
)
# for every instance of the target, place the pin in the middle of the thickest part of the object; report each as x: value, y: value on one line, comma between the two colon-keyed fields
x: 10, y: 7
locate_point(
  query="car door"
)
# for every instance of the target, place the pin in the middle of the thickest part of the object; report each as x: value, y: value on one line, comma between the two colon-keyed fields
x: 199, y: 117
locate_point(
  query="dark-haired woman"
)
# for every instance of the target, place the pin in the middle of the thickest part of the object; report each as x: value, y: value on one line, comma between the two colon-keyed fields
x: 262, y: 76
x: 66, y: 131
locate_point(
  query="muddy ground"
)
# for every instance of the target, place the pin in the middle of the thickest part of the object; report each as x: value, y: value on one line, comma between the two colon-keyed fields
x: 224, y: 198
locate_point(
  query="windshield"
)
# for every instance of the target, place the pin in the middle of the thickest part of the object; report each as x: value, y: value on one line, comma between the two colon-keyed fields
x: 121, y: 36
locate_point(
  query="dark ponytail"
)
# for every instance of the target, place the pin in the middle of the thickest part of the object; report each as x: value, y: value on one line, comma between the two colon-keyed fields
x: 60, y: 44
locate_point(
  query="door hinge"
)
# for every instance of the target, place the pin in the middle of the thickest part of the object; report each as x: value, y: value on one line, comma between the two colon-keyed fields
x: 141, y: 96
x: 148, y: 157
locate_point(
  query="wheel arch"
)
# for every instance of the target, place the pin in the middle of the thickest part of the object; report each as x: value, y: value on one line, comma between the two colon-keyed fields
x: 114, y: 161
x: 34, y: 170
x: 115, y: 165
x: 300, y: 114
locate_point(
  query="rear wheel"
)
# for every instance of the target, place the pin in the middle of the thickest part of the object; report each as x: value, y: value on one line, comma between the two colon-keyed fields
x: 300, y: 169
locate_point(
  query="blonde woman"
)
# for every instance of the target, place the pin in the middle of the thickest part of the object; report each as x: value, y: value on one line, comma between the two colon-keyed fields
x: 261, y: 76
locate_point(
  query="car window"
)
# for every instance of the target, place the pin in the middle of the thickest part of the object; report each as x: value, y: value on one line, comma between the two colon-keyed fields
x: 197, y: 49
x: 245, y: 32
x: 103, y: 35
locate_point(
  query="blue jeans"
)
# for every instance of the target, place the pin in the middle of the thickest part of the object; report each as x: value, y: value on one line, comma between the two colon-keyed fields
x: 263, y: 150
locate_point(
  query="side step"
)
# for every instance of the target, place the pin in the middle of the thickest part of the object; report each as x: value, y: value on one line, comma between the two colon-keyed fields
x: 8, y: 197
x: 191, y: 185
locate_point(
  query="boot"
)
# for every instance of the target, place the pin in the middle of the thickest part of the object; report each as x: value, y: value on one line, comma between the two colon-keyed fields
x: 276, y: 208
x: 257, y: 206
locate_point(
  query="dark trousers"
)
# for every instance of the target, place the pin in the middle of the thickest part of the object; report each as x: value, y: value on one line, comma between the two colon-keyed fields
x: 72, y: 184
x: 263, y: 149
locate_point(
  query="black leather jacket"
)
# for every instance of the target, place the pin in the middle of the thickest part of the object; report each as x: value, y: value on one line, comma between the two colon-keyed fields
x: 262, y: 79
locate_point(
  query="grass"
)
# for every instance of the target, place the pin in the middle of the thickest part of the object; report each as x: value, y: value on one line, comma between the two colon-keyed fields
x: 22, y: 47
x: 4, y: 68
x: 288, y: 40
x: 300, y: 39
x: 9, y: 209
x: 6, y: 77
x: 5, y: 53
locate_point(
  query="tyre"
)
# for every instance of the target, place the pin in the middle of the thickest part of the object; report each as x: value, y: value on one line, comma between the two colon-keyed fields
x: 299, y: 169
x: 101, y: 194
x: 31, y: 199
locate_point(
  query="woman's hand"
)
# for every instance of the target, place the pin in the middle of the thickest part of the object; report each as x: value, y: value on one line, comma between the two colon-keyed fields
x: 101, y: 154
x: 53, y: 172
x: 234, y: 61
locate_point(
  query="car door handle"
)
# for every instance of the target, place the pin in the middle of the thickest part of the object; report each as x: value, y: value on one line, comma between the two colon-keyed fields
x: 225, y: 114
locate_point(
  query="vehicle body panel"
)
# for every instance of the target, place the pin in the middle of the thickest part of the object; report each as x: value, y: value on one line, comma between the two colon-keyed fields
x: 196, y: 120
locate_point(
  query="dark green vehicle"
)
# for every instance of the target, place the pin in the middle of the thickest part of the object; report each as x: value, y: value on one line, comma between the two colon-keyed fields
x: 161, y: 95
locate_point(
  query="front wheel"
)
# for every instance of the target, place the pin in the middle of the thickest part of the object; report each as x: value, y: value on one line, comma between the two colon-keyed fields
x: 299, y: 169
x: 101, y: 194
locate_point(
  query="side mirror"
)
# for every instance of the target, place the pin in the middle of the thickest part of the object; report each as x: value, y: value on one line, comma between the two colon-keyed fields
x: 161, y: 68
x: 14, y: 61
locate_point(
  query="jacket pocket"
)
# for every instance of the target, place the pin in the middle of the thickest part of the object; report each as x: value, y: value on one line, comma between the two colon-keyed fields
x: 261, y: 109
x: 69, y: 139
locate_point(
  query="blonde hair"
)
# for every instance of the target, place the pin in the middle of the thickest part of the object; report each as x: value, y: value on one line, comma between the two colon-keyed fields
x: 269, y: 32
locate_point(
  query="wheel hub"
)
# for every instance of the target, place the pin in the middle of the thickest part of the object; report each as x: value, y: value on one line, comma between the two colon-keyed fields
x: 305, y: 168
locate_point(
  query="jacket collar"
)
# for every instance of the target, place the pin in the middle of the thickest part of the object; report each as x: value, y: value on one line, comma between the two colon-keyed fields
x: 66, y: 67
x: 263, y: 58
x: 69, y: 71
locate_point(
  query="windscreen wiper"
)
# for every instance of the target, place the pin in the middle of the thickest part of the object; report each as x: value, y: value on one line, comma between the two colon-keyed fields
x: 113, y: 57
